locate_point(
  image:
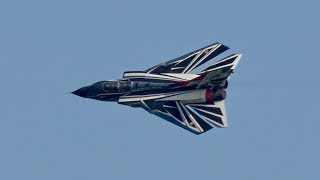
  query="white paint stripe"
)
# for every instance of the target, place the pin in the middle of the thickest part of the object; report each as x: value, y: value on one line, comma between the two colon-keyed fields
x: 174, y: 68
x: 208, y: 112
x: 185, y: 119
x: 203, y: 105
x: 210, y: 52
x: 152, y: 78
x: 182, y: 60
x: 182, y: 76
x: 234, y: 63
x: 199, y: 128
x: 134, y: 74
x: 169, y: 106
x: 193, y: 60
x: 175, y: 118
x: 140, y: 98
x: 222, y: 106
x: 145, y: 75
x: 181, y: 113
x: 218, y: 124
x: 145, y: 104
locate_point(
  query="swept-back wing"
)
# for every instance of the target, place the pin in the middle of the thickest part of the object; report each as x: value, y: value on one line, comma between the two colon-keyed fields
x: 195, y: 118
x: 177, y: 69
x: 178, y: 114
x: 190, y: 61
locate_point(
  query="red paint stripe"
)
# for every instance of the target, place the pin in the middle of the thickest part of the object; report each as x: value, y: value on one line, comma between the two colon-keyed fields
x: 209, y: 95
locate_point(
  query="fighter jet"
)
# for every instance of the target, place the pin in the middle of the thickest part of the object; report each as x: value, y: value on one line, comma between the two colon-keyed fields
x: 195, y: 102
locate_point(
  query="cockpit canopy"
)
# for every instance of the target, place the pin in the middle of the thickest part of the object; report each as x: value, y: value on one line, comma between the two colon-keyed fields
x: 116, y: 86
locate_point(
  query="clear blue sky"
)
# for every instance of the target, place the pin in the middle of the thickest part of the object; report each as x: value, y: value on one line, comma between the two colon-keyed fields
x: 48, y: 48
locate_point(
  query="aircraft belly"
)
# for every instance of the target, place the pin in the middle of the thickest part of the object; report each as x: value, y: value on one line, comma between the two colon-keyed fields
x: 191, y: 96
x: 197, y: 96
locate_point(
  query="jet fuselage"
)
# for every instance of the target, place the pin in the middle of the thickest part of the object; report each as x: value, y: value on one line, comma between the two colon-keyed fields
x: 168, y: 90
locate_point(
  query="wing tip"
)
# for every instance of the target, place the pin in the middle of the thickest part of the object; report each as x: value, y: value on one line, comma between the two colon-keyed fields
x: 237, y: 60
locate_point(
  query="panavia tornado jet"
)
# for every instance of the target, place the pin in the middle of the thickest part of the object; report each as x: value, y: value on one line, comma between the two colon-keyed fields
x: 194, y: 102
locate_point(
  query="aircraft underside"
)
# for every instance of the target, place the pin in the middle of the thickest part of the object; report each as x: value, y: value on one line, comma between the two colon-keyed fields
x: 195, y: 102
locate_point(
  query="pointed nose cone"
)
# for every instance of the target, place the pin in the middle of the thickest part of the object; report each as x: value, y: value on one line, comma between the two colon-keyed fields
x: 82, y: 92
